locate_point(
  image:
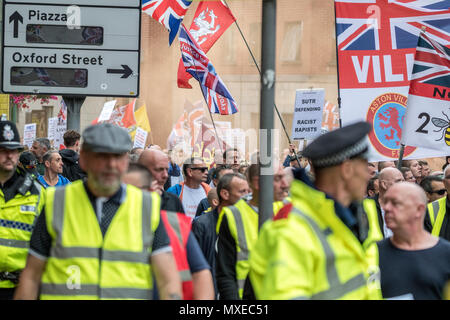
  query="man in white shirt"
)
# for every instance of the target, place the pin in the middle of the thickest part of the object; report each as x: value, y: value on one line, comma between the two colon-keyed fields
x: 194, y: 188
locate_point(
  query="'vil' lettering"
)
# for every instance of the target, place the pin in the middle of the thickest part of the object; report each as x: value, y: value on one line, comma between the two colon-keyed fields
x: 43, y: 16
x: 362, y: 71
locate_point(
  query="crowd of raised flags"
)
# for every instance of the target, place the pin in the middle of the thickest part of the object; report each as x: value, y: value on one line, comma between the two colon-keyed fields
x: 429, y: 88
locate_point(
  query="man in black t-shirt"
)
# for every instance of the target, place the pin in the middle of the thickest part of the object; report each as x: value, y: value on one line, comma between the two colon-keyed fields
x: 413, y: 263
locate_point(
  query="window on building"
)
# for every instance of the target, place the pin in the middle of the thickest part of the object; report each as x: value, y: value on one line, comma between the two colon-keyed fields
x: 290, y: 48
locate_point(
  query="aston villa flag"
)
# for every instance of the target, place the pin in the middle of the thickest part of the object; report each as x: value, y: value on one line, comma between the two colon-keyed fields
x: 427, y: 119
x: 210, y: 21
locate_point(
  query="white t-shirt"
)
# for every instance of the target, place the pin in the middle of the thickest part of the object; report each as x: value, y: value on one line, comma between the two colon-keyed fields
x: 387, y: 232
x: 191, y: 199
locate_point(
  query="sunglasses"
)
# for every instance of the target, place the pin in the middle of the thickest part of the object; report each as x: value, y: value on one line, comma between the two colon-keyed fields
x: 203, y: 169
x: 440, y: 192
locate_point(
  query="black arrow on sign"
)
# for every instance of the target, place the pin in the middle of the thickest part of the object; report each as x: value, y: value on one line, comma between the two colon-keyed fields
x: 126, y: 71
x: 16, y: 17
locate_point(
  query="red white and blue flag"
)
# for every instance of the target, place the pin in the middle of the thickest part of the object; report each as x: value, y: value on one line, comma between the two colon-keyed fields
x: 376, y: 41
x: 169, y: 13
x: 210, y: 21
x: 428, y: 98
x: 197, y: 64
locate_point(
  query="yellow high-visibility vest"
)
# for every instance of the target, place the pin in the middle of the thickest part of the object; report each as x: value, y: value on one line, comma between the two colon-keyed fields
x: 243, y: 224
x: 436, y: 212
x: 85, y: 265
x: 311, y: 254
x: 17, y: 217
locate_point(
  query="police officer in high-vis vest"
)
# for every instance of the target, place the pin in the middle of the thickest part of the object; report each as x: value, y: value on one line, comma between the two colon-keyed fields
x: 237, y: 229
x: 437, y: 221
x: 20, y: 202
x: 324, y: 247
x: 100, y: 239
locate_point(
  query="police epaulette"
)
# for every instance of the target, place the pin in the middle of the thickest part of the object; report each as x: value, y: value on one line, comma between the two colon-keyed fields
x: 283, y: 213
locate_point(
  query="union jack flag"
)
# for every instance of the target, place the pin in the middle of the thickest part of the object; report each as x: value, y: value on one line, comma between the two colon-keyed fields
x: 169, y: 13
x: 390, y: 24
x: 431, y: 66
x: 196, y: 62
x: 62, y: 114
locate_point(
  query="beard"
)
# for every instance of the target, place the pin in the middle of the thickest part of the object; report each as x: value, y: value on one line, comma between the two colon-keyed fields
x: 104, y: 186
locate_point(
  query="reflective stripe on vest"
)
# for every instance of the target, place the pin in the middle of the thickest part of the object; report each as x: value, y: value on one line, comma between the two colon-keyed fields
x: 337, y: 289
x: 59, y: 253
x: 178, y: 232
x: 436, y: 210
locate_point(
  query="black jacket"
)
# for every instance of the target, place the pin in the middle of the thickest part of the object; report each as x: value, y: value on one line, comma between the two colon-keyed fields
x: 204, y: 229
x: 71, y: 168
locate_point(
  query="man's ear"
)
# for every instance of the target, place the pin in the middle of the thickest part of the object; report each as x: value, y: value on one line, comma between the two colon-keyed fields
x: 346, y: 170
x: 224, y: 194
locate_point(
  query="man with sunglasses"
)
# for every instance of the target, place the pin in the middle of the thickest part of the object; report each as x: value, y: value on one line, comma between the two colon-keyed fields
x: 436, y: 219
x: 194, y: 189
x: 434, y: 187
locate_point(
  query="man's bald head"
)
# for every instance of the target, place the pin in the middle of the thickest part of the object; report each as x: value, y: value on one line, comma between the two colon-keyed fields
x: 404, y: 205
x: 388, y: 177
x: 411, y: 191
x: 157, y: 162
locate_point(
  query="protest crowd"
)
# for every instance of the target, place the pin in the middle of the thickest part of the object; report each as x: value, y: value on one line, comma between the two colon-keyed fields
x: 359, y: 210
x: 102, y: 220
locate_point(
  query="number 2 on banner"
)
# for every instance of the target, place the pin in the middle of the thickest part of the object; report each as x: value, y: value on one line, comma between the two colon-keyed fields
x: 424, y: 124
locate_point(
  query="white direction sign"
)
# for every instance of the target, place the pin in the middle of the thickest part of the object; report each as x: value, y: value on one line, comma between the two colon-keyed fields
x: 90, y: 49
x: 55, y: 27
x: 103, y: 3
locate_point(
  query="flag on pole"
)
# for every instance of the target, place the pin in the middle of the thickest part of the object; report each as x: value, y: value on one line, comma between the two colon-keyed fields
x: 123, y: 117
x: 169, y: 13
x: 211, y: 20
x: 427, y: 118
x: 196, y: 62
x: 142, y: 118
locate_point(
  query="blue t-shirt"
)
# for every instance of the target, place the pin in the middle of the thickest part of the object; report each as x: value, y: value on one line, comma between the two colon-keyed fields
x: 62, y: 181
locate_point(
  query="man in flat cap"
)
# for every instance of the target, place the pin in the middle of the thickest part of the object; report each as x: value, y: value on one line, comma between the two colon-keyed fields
x: 20, y: 202
x: 323, y: 247
x: 99, y: 238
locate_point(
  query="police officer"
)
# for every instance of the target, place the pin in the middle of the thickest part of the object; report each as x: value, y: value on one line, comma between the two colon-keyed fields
x: 20, y: 202
x: 324, y: 247
x: 99, y: 238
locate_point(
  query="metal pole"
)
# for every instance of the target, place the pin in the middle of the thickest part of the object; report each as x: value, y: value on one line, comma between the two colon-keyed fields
x: 267, y: 106
x: 337, y: 67
x: 74, y: 104
x: 400, y: 158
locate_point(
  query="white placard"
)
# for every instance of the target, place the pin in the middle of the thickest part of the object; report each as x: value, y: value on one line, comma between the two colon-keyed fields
x: 29, y: 134
x: 308, y: 111
x: 107, y: 110
x: 52, y: 123
x: 140, y: 138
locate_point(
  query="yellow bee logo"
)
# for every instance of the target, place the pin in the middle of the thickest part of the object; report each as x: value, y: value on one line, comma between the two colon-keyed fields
x: 444, y: 127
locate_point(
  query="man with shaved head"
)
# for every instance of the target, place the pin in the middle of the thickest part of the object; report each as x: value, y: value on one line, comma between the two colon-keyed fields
x: 413, y: 263
x: 388, y: 177
x: 157, y: 162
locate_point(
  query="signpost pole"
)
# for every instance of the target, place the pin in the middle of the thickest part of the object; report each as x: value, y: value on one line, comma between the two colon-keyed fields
x: 74, y: 104
x: 266, y: 113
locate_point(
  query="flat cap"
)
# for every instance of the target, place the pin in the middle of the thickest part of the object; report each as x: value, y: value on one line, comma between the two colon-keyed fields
x: 106, y: 138
x: 335, y: 147
x: 9, y: 136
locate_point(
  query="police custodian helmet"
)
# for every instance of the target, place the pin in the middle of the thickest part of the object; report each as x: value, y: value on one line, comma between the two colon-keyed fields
x: 9, y: 136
